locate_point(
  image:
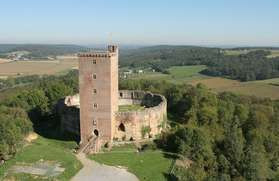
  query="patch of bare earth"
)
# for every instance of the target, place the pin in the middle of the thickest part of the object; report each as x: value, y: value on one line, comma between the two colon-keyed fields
x: 41, y: 168
x: 31, y: 137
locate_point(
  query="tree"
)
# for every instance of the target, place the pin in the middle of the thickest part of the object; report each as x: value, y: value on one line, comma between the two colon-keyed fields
x: 233, y: 146
x: 255, y: 164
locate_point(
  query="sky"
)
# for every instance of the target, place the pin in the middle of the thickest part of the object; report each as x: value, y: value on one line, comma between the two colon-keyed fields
x: 141, y: 22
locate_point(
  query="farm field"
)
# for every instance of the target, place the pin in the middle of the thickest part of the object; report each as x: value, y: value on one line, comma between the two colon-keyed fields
x: 274, y: 53
x: 16, y: 68
x: 191, y: 75
x: 178, y: 74
x: 2, y: 60
x: 147, y: 166
x: 256, y: 88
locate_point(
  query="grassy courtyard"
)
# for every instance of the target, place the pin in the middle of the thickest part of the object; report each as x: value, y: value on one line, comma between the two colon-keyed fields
x: 132, y: 107
x: 147, y: 166
x: 43, y: 149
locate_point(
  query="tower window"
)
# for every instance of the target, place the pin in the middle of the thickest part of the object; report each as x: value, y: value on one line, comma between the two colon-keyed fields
x: 94, y: 122
x: 95, y: 105
x: 94, y: 61
x: 94, y: 91
x: 94, y: 76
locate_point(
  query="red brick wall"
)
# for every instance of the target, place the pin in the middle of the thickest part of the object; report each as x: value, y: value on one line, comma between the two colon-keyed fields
x: 106, y: 98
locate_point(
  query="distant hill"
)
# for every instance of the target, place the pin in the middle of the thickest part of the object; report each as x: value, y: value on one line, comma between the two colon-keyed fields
x: 40, y: 50
x: 255, y: 64
x: 255, y: 48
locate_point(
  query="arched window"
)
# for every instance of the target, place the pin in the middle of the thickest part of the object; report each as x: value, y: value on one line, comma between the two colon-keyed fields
x: 121, y: 127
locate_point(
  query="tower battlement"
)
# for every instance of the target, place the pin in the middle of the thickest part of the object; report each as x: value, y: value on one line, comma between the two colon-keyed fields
x: 112, y: 51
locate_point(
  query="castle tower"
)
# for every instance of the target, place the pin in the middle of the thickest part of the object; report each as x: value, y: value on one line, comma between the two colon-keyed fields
x: 98, y: 89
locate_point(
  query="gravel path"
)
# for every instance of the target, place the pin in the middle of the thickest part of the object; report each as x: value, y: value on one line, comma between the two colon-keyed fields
x: 93, y: 171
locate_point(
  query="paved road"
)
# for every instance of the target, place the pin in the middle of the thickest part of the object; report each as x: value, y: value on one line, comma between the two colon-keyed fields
x: 93, y: 171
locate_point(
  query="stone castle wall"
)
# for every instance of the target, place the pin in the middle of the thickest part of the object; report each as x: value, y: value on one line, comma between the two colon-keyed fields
x: 136, y: 125
x: 130, y: 125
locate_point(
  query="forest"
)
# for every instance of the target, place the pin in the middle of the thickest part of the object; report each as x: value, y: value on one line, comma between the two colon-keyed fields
x: 224, y: 136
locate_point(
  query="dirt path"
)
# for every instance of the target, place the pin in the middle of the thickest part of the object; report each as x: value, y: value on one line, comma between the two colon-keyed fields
x: 93, y: 171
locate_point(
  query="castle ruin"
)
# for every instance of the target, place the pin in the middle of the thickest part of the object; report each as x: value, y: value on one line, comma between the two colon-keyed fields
x: 94, y: 114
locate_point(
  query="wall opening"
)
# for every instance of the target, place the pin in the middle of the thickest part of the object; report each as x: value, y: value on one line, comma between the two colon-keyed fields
x: 96, y: 132
x: 121, y: 127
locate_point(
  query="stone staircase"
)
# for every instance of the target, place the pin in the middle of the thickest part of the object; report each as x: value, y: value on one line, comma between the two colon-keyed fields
x: 92, y: 146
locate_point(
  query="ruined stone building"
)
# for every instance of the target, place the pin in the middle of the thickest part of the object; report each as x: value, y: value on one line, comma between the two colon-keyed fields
x: 94, y: 114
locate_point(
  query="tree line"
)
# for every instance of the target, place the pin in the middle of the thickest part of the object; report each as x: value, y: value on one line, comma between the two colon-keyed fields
x: 245, y: 67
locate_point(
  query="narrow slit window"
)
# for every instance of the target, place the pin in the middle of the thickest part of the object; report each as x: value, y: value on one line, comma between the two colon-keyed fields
x: 94, y: 76
x: 94, y: 91
x: 94, y: 122
x: 95, y: 106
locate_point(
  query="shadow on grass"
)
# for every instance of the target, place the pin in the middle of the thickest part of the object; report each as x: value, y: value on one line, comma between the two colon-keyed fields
x: 49, y: 127
x: 170, y: 177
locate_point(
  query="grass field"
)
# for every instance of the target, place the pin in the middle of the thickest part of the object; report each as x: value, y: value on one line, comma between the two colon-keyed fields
x: 16, y: 68
x: 191, y: 75
x: 47, y: 150
x: 178, y: 74
x: 147, y: 166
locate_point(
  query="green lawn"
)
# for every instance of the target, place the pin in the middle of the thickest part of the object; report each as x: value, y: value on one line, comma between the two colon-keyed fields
x: 133, y: 107
x: 147, y: 166
x: 49, y: 150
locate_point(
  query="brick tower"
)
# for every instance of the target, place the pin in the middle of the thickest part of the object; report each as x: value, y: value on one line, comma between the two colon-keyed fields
x: 98, y: 89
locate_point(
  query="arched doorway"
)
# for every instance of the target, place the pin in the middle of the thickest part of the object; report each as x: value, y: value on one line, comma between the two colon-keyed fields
x: 96, y: 132
x: 121, y: 127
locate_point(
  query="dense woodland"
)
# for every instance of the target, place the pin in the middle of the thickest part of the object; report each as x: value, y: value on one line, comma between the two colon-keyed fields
x: 245, y: 67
